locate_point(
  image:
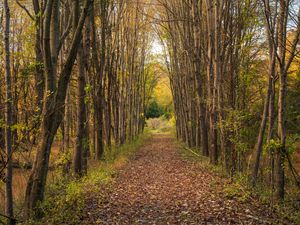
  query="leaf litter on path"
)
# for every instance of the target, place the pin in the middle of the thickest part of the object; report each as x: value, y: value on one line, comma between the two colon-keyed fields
x: 158, y: 187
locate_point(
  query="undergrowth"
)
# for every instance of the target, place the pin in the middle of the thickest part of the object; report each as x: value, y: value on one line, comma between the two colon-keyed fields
x: 239, y: 187
x: 65, y: 199
x: 160, y: 125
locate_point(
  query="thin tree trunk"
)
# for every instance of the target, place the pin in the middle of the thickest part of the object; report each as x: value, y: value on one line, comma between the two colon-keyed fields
x: 260, y: 137
x: 53, y: 109
x: 8, y: 119
x: 99, y: 65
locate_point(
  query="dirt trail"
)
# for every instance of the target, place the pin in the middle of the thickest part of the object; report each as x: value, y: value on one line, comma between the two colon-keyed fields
x: 159, y: 187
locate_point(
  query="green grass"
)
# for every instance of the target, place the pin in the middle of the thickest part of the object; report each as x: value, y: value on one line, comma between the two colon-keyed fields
x: 65, y: 199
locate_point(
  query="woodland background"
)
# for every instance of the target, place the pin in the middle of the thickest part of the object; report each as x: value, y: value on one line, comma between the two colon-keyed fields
x: 79, y: 79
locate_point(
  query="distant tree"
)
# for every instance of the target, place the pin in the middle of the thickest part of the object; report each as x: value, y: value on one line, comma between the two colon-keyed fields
x: 154, y: 110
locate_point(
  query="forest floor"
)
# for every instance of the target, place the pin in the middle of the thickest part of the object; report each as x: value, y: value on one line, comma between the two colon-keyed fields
x: 160, y: 186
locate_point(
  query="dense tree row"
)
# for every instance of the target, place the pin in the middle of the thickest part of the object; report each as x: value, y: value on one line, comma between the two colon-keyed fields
x: 229, y: 64
x: 78, y: 77
x: 78, y: 74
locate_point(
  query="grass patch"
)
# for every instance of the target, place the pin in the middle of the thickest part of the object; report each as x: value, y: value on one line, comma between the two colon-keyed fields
x: 195, y: 155
x: 160, y: 125
x: 65, y: 198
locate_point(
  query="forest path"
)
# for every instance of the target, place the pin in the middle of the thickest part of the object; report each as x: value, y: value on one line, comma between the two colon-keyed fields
x: 158, y: 186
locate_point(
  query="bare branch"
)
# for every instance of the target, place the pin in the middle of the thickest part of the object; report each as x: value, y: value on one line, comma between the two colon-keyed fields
x: 25, y: 9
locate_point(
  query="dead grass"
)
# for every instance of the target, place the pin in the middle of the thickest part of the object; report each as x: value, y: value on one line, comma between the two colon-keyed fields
x: 160, y: 125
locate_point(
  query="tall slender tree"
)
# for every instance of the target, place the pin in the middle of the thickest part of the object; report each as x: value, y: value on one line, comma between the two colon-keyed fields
x: 8, y: 118
x: 54, y: 100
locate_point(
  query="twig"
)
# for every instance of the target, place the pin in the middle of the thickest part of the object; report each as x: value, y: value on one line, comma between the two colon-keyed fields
x: 293, y: 170
x: 195, y: 153
x: 25, y: 9
x: 13, y: 220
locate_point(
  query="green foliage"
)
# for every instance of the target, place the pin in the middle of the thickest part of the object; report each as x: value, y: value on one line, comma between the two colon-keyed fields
x: 271, y: 146
x: 154, y: 110
x: 236, y: 191
x: 168, y: 111
x: 65, y: 198
x: 2, y: 123
x: 293, y: 104
x: 291, y: 142
x: 18, y: 127
x: 87, y: 99
x: 29, y: 69
x: 64, y: 202
x: 239, y: 127
x: 158, y: 91
x: 63, y: 159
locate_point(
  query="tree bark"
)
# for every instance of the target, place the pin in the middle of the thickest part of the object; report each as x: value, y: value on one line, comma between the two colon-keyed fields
x: 53, y: 109
x: 8, y: 119
x: 81, y: 139
x: 260, y: 137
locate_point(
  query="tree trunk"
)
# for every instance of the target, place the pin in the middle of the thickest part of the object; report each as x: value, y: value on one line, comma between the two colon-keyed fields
x: 260, y: 137
x: 280, y: 152
x: 99, y: 90
x: 8, y: 119
x: 80, y: 141
x: 53, y: 109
